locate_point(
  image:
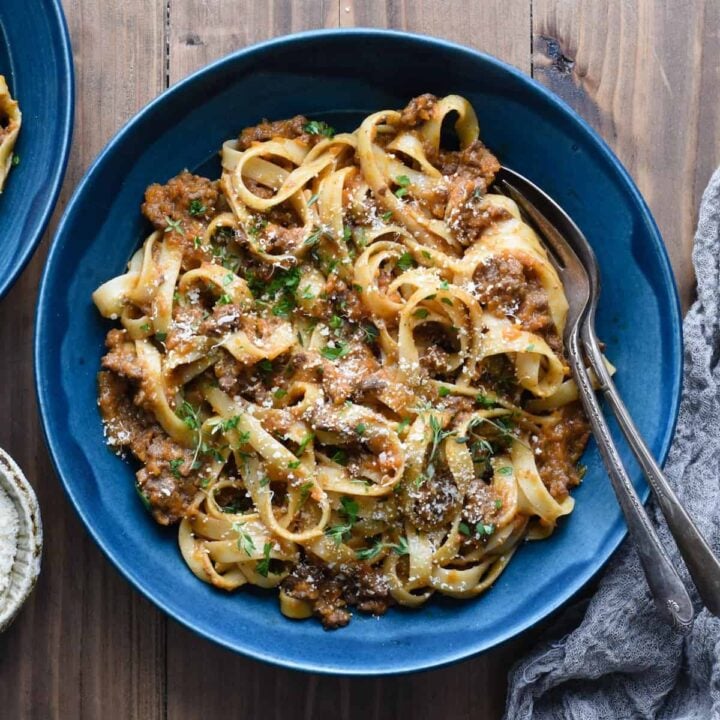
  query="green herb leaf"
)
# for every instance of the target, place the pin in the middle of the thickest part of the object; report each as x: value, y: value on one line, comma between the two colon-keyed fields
x: 339, y: 350
x: 175, y: 465
x: 318, y: 127
x: 244, y: 541
x: 174, y: 226
x: 350, y: 508
x: 338, y: 532
x: 443, y: 391
x: 360, y: 428
x: 387, y: 215
x: 262, y: 567
x: 421, y: 313
x: 406, y: 261
x: 196, y: 208
x: 402, y: 425
x: 464, y: 529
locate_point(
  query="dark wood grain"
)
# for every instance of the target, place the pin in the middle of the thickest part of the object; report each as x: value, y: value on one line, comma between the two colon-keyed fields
x: 85, y: 645
x: 643, y: 73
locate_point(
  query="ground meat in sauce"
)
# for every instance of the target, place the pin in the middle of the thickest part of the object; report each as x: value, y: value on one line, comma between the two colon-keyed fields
x: 168, y: 490
x: 330, y: 593
x: 433, y: 502
x: 504, y: 286
x: 189, y: 200
x: 558, y: 450
x: 418, y: 110
x: 479, y: 503
x: 344, y: 377
x: 294, y: 128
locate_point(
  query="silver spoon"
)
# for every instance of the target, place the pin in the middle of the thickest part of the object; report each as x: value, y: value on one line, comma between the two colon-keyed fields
x: 580, y: 278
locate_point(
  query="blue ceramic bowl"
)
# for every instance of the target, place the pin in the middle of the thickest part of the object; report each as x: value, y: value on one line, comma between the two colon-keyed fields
x: 36, y: 59
x: 340, y: 76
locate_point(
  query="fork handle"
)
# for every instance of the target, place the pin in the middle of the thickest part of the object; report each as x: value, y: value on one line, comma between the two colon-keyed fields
x: 670, y: 595
x: 703, y: 565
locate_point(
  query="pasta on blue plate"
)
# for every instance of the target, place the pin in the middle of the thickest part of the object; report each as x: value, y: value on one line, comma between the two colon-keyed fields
x: 341, y: 365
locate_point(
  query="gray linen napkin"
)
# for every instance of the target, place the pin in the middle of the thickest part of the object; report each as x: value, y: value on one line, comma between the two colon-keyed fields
x: 617, y: 659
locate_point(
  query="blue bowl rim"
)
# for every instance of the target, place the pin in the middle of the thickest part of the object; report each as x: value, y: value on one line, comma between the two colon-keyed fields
x: 674, y: 316
x: 67, y: 121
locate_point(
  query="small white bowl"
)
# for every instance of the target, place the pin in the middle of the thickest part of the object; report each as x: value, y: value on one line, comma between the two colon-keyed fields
x: 26, y: 567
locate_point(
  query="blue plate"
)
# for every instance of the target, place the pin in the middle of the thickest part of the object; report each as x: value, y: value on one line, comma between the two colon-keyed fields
x: 36, y: 59
x: 340, y: 76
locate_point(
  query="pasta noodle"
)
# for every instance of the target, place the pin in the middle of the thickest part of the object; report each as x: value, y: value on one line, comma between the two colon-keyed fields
x: 341, y: 366
x: 10, y: 121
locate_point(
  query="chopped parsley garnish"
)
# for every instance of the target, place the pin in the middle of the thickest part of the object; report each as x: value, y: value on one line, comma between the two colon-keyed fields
x: 145, y: 327
x: 339, y: 350
x: 197, y: 241
x: 360, y: 428
x: 347, y: 233
x: 196, y: 208
x: 284, y: 306
x: 293, y: 464
x: 258, y: 226
x: 264, y: 481
x: 438, y: 435
x: 406, y: 261
x: 188, y: 414
x: 314, y: 238
x: 446, y: 300
x: 174, y: 226
x: 304, y: 443
x: 305, y: 490
x: 265, y: 366
x: 386, y: 215
x: 224, y: 299
x: 402, y: 425
x: 307, y: 293
x: 350, y: 509
x: 175, y: 465
x: 279, y: 394
x: 426, y: 255
x: 15, y: 160
x: 421, y: 313
x: 444, y: 285
x: 339, y: 457
x: 318, y: 127
x: 505, y: 470
x: 443, y: 391
x: 371, y: 333
x: 498, y: 504
x: 262, y: 567
x: 225, y: 425
x: 337, y: 532
x: 464, y: 529
x: 484, y: 400
x: 403, y: 181
x: 244, y: 541
x: 336, y: 322
x: 401, y: 548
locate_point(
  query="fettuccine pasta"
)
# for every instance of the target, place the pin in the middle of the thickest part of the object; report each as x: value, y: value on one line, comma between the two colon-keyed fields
x: 341, y: 368
x: 10, y: 121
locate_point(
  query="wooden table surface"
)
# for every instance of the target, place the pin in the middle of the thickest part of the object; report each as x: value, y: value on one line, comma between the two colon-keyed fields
x: 644, y: 73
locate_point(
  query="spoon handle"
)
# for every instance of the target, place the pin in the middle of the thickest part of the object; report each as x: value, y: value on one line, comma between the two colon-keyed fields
x: 703, y: 565
x: 671, y: 597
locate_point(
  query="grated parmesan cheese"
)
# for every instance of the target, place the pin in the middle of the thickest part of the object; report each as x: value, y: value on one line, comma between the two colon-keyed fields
x: 9, y: 528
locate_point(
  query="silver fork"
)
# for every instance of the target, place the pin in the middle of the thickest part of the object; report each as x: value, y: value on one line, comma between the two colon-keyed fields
x: 578, y: 269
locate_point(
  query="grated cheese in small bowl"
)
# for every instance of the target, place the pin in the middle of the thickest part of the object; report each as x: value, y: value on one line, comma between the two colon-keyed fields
x: 20, y: 539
